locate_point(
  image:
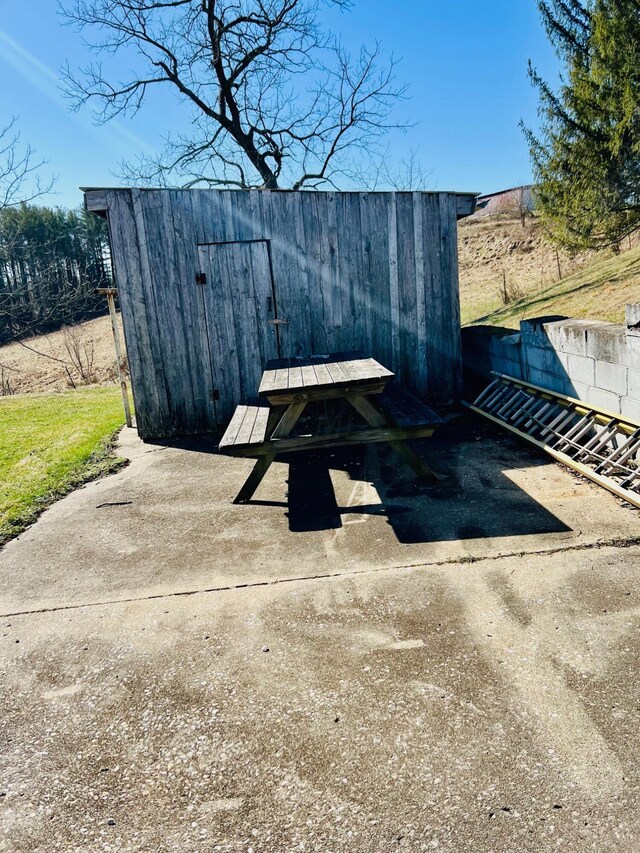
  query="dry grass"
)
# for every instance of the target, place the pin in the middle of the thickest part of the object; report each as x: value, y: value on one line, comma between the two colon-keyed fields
x: 497, y: 253
x: 74, y: 356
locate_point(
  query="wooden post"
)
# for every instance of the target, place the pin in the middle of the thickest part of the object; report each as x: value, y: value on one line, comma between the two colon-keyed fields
x: 110, y: 293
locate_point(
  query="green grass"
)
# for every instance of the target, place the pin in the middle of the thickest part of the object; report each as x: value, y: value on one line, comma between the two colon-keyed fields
x: 49, y: 445
x: 597, y: 292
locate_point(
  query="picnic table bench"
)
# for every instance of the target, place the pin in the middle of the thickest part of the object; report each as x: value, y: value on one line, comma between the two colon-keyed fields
x: 262, y: 428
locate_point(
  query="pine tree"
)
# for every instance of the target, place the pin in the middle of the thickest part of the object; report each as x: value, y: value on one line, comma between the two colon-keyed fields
x: 51, y: 262
x: 587, y: 159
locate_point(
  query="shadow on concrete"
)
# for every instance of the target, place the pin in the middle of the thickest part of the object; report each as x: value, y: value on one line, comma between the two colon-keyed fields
x: 475, y: 499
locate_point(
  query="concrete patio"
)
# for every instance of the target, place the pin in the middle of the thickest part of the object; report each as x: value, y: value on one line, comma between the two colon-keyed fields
x: 367, y: 665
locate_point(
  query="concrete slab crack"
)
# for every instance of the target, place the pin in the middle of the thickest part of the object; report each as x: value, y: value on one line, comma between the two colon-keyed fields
x: 625, y: 542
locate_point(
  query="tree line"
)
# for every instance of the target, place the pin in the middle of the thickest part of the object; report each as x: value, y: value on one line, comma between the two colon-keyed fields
x: 51, y: 262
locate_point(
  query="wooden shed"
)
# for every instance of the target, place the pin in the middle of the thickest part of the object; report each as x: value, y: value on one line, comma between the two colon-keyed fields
x: 212, y: 283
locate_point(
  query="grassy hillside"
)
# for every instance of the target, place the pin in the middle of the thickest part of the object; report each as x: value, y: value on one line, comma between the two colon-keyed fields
x: 498, y: 254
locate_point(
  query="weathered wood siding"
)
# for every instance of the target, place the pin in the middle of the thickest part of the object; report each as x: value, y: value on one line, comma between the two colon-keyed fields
x: 370, y: 271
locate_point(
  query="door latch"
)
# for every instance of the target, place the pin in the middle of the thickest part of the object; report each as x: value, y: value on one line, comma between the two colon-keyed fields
x: 277, y: 322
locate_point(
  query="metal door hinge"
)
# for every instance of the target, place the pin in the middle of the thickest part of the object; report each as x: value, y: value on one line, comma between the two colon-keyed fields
x: 278, y: 322
x: 201, y: 278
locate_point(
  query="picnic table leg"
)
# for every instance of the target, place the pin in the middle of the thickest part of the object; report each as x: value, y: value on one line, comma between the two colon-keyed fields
x: 254, y: 479
x: 375, y: 418
x: 284, y: 423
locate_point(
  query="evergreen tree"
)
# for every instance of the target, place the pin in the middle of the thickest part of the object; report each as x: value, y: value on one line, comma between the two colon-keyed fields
x: 587, y: 159
x: 51, y: 261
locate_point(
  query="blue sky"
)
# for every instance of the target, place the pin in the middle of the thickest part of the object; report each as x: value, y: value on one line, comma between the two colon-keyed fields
x: 465, y: 63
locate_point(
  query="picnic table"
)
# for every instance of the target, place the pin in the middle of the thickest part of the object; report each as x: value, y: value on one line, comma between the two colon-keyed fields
x: 263, y: 428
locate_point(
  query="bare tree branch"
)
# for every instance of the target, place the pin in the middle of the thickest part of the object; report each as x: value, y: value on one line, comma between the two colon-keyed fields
x: 274, y: 99
x: 20, y: 182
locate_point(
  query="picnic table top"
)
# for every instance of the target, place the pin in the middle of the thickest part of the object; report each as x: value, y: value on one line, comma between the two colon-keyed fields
x: 321, y: 372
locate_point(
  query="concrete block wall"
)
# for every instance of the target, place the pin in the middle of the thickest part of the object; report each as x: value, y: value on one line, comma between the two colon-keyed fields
x: 596, y: 362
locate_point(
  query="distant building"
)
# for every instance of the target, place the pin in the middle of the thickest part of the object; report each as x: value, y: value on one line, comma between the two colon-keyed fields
x: 512, y: 200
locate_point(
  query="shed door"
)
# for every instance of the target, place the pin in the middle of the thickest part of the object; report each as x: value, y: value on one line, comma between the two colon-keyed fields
x: 239, y: 301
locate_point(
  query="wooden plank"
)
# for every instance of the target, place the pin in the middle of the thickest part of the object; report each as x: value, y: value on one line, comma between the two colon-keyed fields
x: 96, y: 201
x: 259, y: 431
x: 198, y: 224
x: 288, y: 256
x: 288, y: 420
x: 325, y: 392
x: 420, y: 366
x: 207, y: 415
x: 313, y: 207
x: 403, y: 409
x: 349, y: 235
x: 267, y: 382
x: 336, y: 372
x: 451, y: 298
x: 161, y: 419
x: 241, y: 295
x: 281, y: 379
x: 171, y: 310
x: 295, y: 376
x: 407, y: 320
x: 309, y: 376
x: 248, y: 423
x: 434, y: 380
x: 219, y: 306
x: 323, y: 375
x: 125, y: 256
x: 231, y: 432
x: 365, y: 435
x: 393, y: 283
x: 334, y: 294
x: 376, y: 243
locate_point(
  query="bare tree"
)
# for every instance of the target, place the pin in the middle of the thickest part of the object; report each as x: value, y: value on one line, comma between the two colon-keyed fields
x: 275, y: 100
x: 383, y: 173
x: 19, y: 168
x: 519, y: 202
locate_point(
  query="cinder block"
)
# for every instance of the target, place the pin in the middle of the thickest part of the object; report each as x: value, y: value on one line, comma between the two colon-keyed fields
x: 578, y: 390
x: 604, y: 399
x: 506, y: 365
x: 630, y: 408
x: 569, y: 336
x: 537, y: 358
x: 611, y: 377
x: 608, y: 342
x: 632, y: 352
x: 547, y: 380
x: 581, y: 369
x: 634, y: 383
